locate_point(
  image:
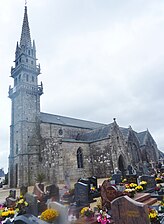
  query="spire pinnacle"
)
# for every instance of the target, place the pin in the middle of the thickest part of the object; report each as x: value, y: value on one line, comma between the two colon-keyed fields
x: 25, y: 35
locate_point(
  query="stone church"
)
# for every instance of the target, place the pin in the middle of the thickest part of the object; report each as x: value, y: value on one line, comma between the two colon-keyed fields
x: 63, y: 147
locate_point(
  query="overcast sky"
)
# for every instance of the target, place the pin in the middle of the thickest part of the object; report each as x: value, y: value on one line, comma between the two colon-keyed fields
x: 99, y: 59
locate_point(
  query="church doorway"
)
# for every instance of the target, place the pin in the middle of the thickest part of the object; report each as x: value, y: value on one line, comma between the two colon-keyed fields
x: 121, y: 165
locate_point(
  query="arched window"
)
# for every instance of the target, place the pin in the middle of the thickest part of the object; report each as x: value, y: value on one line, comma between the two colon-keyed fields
x: 80, y: 158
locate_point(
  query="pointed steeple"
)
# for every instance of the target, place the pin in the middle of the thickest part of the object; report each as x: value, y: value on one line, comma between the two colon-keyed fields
x: 25, y: 35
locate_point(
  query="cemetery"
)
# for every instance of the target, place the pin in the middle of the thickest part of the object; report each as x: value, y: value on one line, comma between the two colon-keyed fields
x: 131, y: 199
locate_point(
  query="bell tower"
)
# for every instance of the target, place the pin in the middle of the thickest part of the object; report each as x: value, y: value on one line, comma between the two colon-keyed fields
x: 25, y: 110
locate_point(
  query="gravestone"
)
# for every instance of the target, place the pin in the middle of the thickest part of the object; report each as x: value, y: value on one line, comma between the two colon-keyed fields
x: 151, y: 183
x: 108, y: 194
x: 145, y: 168
x: 28, y: 219
x: 38, y: 192
x: 23, y: 190
x: 11, y: 199
x: 12, y: 193
x: 117, y: 178
x: 85, y: 181
x: 127, y: 211
x: 53, y: 191
x: 63, y: 212
x: 82, y: 193
x: 130, y: 169
x: 93, y: 181
x: 131, y: 178
x: 32, y: 207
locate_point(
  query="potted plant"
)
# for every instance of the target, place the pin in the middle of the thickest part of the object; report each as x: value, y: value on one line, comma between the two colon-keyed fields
x: 143, y: 184
x: 40, y: 178
x: 153, y: 216
x: 49, y: 215
x: 87, y: 213
x: 139, y: 188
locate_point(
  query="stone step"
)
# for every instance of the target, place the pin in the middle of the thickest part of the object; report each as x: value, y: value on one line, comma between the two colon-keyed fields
x: 150, y: 201
x: 141, y: 197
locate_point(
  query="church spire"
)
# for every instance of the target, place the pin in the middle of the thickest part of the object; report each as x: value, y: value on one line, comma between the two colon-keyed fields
x: 25, y: 35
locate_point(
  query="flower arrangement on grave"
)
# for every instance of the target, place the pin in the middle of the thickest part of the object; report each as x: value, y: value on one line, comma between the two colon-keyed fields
x: 130, y: 192
x: 143, y: 184
x: 161, y: 207
x: 103, y: 217
x: 132, y: 185
x: 87, y: 212
x: 158, y: 180
x: 99, y: 204
x: 127, y: 186
x: 21, y: 205
x: 157, y: 187
x: 153, y: 216
x: 139, y: 188
x: 6, y: 214
x: 49, y: 215
x: 124, y: 180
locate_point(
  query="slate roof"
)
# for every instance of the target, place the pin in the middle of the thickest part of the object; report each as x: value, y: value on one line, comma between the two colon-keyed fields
x: 95, y: 135
x: 141, y: 137
x: 68, y: 121
x: 125, y: 131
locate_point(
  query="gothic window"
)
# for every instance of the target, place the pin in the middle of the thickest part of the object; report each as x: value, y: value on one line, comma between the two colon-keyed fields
x: 26, y: 59
x: 29, y: 52
x: 32, y: 78
x: 80, y: 158
x: 32, y: 62
x: 60, y: 131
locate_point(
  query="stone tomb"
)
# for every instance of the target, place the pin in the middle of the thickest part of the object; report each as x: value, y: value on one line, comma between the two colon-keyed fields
x: 151, y: 183
x: 131, y: 178
x: 23, y: 190
x: 127, y: 211
x: 32, y: 207
x: 117, y: 178
x: 53, y: 192
x: 82, y: 196
x: 11, y: 199
x: 63, y: 212
x: 28, y: 219
x: 108, y: 194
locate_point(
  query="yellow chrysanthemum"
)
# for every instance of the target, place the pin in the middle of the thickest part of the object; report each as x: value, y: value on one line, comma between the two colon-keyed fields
x: 49, y: 215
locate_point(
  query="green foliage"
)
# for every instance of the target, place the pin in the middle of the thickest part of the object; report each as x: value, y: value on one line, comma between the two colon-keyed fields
x: 40, y: 177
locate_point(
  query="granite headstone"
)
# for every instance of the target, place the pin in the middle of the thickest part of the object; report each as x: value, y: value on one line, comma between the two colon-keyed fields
x: 82, y: 193
x: 127, y: 211
x: 117, y: 178
x: 151, y: 183
x: 32, y: 207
